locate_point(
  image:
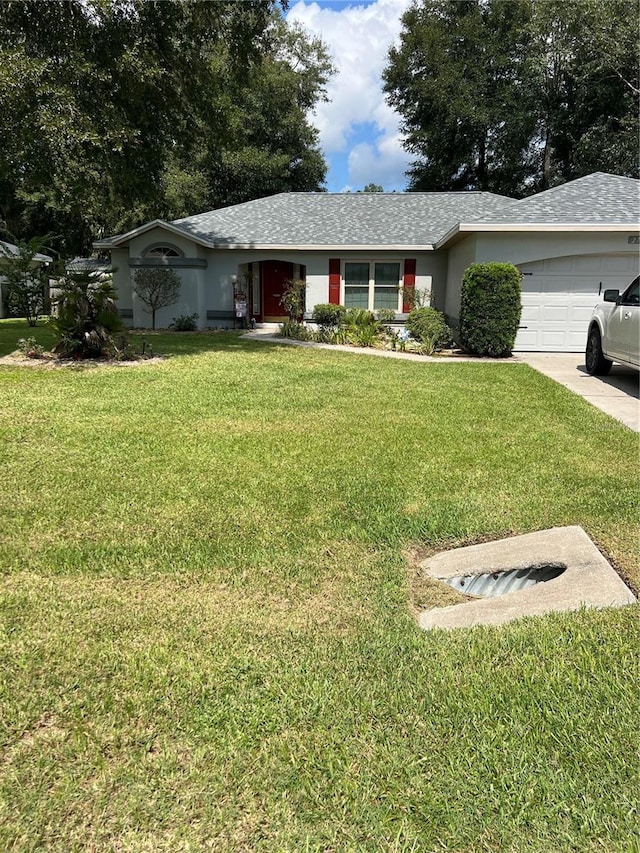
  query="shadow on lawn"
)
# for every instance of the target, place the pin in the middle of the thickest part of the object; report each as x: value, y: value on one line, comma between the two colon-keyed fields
x: 170, y: 344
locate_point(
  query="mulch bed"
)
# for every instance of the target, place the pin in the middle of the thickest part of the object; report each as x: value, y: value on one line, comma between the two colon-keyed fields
x: 49, y: 361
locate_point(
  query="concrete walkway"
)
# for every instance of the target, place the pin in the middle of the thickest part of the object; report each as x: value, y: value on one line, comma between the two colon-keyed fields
x: 617, y: 394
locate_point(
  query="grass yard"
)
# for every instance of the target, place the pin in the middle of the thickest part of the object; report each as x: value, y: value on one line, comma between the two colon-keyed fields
x: 206, y: 636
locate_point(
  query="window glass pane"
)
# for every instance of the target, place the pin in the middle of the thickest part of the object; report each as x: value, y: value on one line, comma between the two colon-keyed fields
x: 387, y: 274
x: 356, y: 274
x: 255, y: 282
x: 356, y: 285
x: 632, y: 297
x: 387, y: 282
x: 162, y: 252
x: 386, y: 297
x: 356, y: 297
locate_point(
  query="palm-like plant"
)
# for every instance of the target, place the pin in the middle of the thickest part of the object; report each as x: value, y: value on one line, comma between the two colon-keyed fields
x: 87, y: 316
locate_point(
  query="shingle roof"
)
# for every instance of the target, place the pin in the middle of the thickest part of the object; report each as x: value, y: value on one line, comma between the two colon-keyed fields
x: 404, y: 220
x: 87, y: 265
x: 9, y: 250
x: 597, y: 199
x: 340, y: 219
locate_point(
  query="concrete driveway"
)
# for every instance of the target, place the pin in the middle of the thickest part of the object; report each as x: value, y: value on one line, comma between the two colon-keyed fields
x: 616, y: 394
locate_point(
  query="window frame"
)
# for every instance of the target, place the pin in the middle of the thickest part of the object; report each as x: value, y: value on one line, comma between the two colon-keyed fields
x: 371, y: 262
x: 162, y: 252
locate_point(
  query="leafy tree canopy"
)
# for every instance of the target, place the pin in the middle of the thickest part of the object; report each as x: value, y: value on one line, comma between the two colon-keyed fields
x: 117, y: 111
x: 515, y: 96
x: 156, y: 287
x: 269, y: 145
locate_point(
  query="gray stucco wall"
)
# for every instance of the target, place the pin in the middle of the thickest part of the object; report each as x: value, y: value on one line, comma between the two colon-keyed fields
x: 207, y: 273
x: 460, y: 256
x: 525, y: 247
x: 122, y: 281
x: 208, y: 287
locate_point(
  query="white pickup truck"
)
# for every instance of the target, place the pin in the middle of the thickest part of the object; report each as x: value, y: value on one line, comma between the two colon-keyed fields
x: 614, y: 331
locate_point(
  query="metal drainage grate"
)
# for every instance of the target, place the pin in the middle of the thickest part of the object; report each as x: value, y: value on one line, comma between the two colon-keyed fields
x: 500, y: 583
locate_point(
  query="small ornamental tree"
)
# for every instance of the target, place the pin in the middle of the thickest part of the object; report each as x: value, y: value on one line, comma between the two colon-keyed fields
x: 293, y: 298
x: 25, y: 280
x: 156, y: 287
x: 490, y: 309
x: 415, y: 297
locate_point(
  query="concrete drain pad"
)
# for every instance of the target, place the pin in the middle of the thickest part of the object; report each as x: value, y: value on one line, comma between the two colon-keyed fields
x: 530, y: 575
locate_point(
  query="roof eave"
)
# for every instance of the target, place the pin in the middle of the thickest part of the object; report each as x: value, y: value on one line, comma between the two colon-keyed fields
x: 327, y: 247
x: 122, y: 239
x: 464, y: 228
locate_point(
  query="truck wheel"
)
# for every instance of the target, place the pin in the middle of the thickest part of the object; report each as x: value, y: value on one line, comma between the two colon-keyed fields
x: 596, y: 363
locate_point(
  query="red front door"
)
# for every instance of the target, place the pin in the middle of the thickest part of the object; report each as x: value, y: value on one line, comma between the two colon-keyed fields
x: 274, y: 277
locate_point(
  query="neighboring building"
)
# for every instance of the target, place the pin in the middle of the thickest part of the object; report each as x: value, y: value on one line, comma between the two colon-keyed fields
x: 365, y: 249
x: 77, y: 265
x: 11, y: 250
x: 92, y: 265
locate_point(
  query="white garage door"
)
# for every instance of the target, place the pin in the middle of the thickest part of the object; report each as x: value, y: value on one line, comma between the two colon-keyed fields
x: 558, y: 295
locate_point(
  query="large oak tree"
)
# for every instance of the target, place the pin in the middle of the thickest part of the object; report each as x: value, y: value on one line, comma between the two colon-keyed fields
x: 515, y: 96
x: 117, y: 111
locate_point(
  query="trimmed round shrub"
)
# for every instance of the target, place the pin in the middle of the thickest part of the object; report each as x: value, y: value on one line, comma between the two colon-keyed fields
x: 328, y: 315
x: 429, y: 327
x: 490, y: 309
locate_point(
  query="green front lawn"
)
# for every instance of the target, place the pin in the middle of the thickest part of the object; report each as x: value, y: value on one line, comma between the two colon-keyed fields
x: 206, y: 638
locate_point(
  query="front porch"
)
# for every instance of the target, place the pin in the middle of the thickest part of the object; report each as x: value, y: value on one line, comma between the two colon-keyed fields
x: 263, y: 284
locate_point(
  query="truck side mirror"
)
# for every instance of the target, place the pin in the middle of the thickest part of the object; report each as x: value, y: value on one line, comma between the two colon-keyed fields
x: 611, y: 295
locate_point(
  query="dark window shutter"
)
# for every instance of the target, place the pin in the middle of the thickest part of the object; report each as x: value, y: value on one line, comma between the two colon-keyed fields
x: 334, y: 281
x: 408, y: 282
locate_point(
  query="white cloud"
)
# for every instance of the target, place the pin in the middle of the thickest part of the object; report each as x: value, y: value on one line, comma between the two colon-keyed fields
x: 358, y: 38
x: 383, y: 163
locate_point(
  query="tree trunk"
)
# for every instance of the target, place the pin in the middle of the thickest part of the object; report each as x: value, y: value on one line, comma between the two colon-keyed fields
x: 546, y: 163
x: 481, y: 176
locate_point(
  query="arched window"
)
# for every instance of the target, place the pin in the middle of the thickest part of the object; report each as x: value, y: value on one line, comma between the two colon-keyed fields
x: 163, y: 252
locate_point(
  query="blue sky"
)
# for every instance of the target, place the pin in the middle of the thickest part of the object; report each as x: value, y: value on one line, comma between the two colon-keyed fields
x: 359, y: 132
